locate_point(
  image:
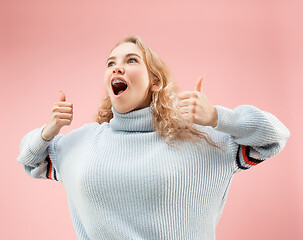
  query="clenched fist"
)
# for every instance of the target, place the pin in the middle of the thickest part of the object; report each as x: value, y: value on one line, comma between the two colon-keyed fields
x: 61, y: 115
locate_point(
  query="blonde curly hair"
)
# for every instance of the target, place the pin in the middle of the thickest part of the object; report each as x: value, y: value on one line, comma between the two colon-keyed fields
x: 166, y: 119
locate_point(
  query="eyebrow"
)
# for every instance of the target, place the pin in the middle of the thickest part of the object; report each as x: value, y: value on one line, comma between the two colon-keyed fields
x: 129, y: 54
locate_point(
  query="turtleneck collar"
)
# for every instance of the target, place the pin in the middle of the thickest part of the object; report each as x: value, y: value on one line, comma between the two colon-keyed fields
x: 135, y: 121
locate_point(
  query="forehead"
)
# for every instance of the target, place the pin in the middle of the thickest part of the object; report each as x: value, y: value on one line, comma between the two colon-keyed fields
x: 125, y: 48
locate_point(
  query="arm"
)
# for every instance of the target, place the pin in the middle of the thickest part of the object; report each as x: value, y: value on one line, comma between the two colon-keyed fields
x: 259, y: 134
x: 38, y: 148
x: 256, y: 135
x: 39, y: 157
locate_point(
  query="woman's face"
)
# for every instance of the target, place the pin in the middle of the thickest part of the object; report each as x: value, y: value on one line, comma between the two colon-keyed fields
x: 126, y: 79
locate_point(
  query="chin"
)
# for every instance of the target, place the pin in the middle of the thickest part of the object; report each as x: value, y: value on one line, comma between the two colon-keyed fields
x: 128, y: 109
x: 121, y: 109
x: 124, y: 106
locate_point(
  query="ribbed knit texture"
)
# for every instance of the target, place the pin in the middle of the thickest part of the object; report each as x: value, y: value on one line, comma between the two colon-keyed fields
x: 124, y: 182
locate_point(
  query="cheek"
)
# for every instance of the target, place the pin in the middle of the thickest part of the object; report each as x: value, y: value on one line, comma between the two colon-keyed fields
x: 140, y: 78
x: 106, y: 78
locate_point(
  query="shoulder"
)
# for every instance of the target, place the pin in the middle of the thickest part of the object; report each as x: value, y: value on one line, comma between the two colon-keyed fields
x: 221, y: 139
x: 86, y: 128
x: 82, y: 132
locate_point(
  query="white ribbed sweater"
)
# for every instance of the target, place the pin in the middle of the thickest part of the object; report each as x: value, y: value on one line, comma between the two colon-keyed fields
x: 124, y: 182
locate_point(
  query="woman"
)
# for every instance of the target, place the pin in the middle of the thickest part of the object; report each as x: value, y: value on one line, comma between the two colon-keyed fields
x: 155, y: 164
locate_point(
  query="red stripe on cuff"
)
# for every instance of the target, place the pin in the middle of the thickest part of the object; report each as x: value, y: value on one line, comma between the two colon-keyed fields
x: 50, y: 170
x: 246, y: 160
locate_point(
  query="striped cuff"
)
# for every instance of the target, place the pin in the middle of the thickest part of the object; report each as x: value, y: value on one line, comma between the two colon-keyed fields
x: 51, y: 171
x: 47, y: 169
x: 244, y: 160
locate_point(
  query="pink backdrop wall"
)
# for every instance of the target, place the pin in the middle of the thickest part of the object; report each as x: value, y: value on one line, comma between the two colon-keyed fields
x: 249, y: 51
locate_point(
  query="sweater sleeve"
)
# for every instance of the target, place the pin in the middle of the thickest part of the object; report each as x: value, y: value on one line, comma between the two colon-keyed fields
x: 257, y: 134
x: 39, y: 157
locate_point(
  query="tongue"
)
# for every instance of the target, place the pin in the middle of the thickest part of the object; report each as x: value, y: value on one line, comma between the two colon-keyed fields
x: 120, y: 92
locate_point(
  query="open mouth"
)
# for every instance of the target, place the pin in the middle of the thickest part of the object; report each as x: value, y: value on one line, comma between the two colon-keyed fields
x: 119, y: 86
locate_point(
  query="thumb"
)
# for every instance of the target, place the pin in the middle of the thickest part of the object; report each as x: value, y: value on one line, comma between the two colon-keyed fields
x: 199, y: 87
x: 62, y: 97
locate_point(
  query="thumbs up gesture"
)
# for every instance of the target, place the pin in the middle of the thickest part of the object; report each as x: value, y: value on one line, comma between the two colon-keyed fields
x: 195, y: 107
x: 61, y: 115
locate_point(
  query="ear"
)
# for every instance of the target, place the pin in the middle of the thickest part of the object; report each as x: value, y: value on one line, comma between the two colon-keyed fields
x: 155, y: 85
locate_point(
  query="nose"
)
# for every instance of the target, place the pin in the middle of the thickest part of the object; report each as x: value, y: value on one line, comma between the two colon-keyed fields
x: 118, y: 70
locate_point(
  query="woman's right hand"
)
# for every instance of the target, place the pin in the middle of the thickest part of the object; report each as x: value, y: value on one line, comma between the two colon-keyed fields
x: 61, y: 115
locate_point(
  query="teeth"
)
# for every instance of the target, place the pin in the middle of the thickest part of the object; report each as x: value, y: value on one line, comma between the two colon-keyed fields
x: 118, y: 81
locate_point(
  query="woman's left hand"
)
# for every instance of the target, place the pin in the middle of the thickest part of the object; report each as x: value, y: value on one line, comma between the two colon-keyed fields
x: 195, y: 107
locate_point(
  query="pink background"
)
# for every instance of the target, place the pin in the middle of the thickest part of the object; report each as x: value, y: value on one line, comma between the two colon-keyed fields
x: 249, y: 51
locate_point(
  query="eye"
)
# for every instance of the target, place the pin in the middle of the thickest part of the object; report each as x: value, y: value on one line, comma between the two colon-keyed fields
x: 109, y: 64
x: 132, y: 59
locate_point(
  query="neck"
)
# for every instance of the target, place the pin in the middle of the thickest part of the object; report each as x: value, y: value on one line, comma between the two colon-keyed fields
x: 135, y: 121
